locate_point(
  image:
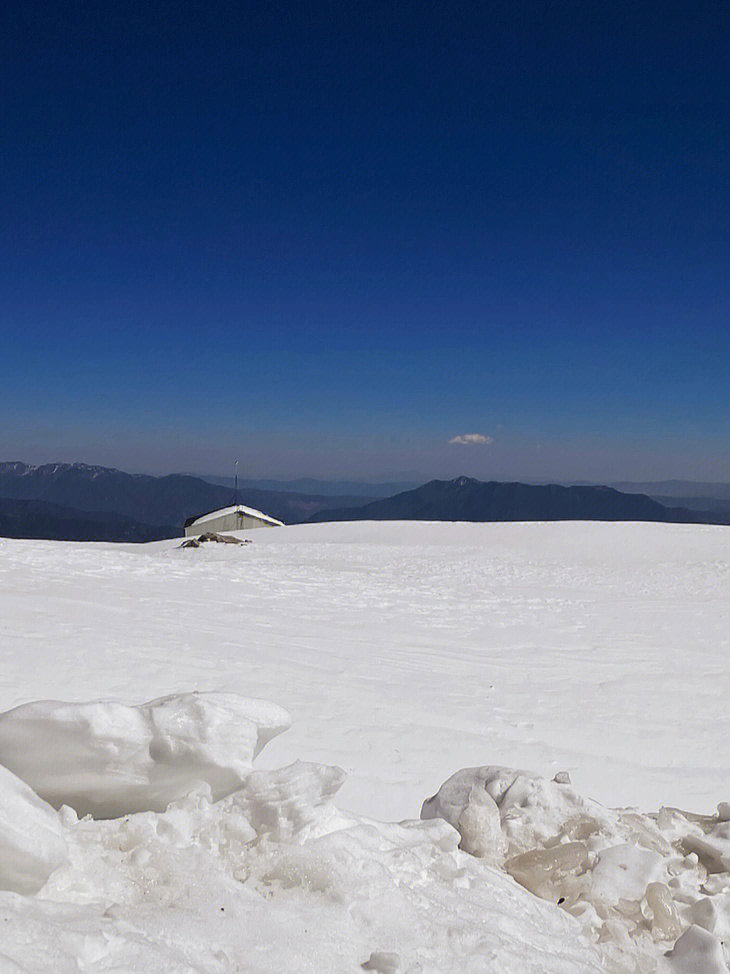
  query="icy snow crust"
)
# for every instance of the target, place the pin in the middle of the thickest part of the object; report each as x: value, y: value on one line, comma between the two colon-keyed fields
x: 403, y: 652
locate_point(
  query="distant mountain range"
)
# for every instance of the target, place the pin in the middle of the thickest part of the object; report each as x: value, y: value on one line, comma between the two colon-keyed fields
x: 79, y: 502
x: 128, y: 506
x: 465, y: 499
x: 322, y: 488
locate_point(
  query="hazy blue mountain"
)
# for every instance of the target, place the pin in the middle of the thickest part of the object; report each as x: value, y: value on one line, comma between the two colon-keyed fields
x: 679, y: 490
x: 465, y: 499
x: 707, y: 505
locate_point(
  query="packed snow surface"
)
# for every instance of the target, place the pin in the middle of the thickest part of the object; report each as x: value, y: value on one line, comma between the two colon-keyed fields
x: 591, y: 653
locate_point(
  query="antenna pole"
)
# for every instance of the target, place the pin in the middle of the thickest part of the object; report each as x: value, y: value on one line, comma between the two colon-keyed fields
x: 235, y: 479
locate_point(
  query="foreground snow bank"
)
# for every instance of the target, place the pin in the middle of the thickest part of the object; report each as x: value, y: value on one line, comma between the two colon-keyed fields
x: 248, y: 869
x: 108, y: 759
x: 32, y: 844
x: 276, y: 878
x: 631, y: 880
x: 506, y: 872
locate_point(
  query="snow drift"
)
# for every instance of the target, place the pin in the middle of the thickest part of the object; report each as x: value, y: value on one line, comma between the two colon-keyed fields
x: 107, y: 759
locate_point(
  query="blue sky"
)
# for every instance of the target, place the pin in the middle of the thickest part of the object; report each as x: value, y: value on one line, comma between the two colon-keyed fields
x: 329, y: 238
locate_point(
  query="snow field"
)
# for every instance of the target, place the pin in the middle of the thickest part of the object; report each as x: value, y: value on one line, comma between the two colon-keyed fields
x: 403, y: 652
x: 406, y: 650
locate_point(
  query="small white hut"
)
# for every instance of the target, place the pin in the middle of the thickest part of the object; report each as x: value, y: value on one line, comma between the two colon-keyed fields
x: 236, y: 518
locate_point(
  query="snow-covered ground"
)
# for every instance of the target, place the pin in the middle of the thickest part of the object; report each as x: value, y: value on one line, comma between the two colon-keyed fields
x: 403, y: 652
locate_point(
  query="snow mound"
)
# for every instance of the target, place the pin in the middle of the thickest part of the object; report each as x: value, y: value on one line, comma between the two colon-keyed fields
x: 635, y: 882
x: 32, y: 844
x: 108, y: 759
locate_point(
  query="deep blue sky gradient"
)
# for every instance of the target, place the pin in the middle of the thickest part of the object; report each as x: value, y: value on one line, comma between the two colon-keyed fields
x: 327, y: 238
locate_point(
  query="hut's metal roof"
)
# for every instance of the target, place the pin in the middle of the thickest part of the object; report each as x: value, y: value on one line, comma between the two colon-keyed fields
x: 236, y: 508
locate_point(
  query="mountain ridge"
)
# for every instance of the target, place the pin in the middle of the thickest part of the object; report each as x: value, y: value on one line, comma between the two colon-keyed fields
x: 468, y: 499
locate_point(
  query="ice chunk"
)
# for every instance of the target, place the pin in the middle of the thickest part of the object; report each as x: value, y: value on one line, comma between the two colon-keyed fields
x: 703, y: 912
x: 666, y: 924
x: 712, y: 850
x: 624, y: 871
x: 716, y: 883
x: 32, y: 845
x: 533, y: 810
x: 108, y: 759
x: 479, y: 827
x: 696, y: 951
x: 545, y: 871
x: 608, y: 868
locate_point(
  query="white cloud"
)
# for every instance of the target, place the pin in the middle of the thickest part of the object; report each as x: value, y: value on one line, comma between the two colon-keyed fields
x: 472, y: 439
